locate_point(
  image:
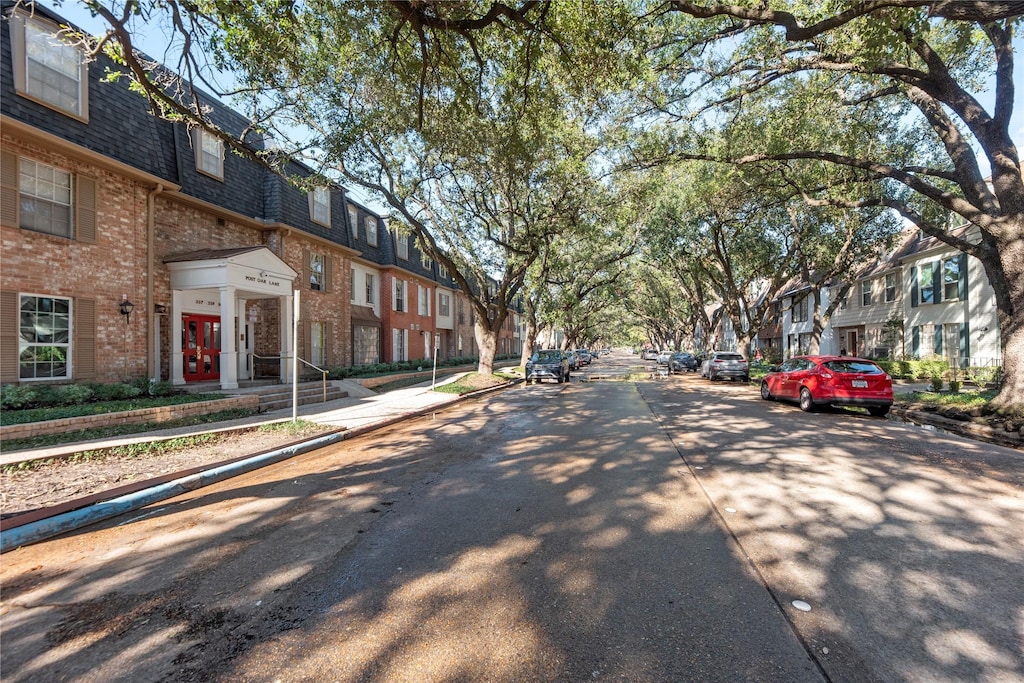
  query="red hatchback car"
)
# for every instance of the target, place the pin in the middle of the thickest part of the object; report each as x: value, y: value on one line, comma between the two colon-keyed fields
x: 815, y: 381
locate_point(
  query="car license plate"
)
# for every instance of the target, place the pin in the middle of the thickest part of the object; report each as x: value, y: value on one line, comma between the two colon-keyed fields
x: 860, y: 384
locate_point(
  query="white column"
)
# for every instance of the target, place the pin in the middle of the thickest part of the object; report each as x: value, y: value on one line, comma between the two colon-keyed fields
x: 177, y: 360
x: 287, y: 343
x: 243, y: 357
x: 155, y: 370
x: 228, y: 339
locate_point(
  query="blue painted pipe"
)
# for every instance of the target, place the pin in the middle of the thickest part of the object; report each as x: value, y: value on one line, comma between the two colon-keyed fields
x: 43, y: 529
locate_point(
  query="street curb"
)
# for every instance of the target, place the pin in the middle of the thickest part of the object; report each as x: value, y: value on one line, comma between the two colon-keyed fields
x: 970, y: 430
x: 41, y: 529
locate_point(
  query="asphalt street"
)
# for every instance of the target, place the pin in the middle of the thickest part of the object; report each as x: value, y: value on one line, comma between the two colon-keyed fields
x: 666, y: 530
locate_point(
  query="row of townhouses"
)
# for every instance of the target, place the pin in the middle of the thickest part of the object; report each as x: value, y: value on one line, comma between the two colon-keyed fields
x: 136, y: 247
x: 923, y: 300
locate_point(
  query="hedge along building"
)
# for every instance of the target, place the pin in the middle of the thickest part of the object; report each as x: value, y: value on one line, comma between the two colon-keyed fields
x: 133, y: 247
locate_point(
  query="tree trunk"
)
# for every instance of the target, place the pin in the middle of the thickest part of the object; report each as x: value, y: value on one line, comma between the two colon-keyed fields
x: 531, y: 333
x: 1011, y: 320
x: 487, y: 341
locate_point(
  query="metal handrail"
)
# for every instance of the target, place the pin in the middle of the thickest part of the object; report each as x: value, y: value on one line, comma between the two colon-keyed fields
x: 323, y: 373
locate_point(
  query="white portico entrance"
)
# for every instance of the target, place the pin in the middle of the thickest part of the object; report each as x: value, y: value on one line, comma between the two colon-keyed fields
x: 211, y: 334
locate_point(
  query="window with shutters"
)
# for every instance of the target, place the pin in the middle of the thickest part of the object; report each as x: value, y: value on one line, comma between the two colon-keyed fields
x: 316, y: 345
x: 45, y: 198
x: 926, y: 282
x: 371, y: 288
x: 800, y: 310
x: 400, y: 295
x: 209, y: 153
x: 424, y: 300
x: 317, y: 276
x: 44, y: 337
x: 320, y: 206
x: 47, y: 68
x: 890, y: 288
x: 951, y: 278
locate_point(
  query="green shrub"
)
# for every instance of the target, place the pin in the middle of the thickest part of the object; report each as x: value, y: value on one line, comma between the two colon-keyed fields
x: 954, y: 386
x: 18, y: 396
x: 930, y: 368
x: 115, y: 392
x: 71, y: 394
x: 937, y: 383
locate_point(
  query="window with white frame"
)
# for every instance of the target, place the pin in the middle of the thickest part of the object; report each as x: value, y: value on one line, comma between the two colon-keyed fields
x: 398, y: 287
x: 371, y: 288
x: 424, y: 300
x: 47, y: 68
x: 926, y: 282
x: 425, y: 261
x: 46, y: 199
x: 399, y: 341
x: 316, y: 344
x: 320, y: 206
x: 371, y: 231
x: 402, y: 245
x: 444, y: 305
x: 843, y: 303
x: 865, y: 293
x: 353, y: 221
x: 44, y: 337
x: 317, y: 276
x: 890, y: 288
x: 800, y: 309
x: 209, y: 153
x: 352, y: 284
x: 951, y: 278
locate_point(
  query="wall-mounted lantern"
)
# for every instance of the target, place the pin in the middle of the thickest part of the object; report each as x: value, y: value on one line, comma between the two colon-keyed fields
x: 126, y: 307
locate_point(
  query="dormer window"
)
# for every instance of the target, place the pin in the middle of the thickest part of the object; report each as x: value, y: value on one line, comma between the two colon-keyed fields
x: 46, y: 68
x: 209, y: 153
x: 320, y: 206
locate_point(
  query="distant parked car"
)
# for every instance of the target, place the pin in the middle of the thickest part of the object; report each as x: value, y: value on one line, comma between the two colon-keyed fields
x: 548, y: 364
x: 585, y: 356
x: 574, y: 360
x: 729, y: 364
x: 814, y: 381
x: 683, y: 362
x: 650, y: 354
x: 664, y: 358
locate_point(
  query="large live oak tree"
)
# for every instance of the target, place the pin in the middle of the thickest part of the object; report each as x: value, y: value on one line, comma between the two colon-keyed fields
x: 917, y: 67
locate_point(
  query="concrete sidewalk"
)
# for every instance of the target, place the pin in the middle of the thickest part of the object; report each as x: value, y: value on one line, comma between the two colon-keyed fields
x: 361, y: 411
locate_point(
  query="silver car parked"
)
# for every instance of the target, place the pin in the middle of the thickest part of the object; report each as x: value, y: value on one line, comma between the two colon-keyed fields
x: 722, y: 364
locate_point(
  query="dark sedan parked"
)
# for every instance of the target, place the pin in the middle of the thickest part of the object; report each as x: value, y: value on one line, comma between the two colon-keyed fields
x: 548, y: 364
x: 683, y: 362
x: 814, y: 381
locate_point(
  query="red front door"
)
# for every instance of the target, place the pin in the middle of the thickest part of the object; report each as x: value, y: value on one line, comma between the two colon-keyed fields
x: 201, y: 345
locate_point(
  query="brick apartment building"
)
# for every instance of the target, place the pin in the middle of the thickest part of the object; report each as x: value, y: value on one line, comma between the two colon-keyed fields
x: 134, y: 247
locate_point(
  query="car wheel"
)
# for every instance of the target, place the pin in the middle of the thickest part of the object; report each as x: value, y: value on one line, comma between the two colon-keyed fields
x: 766, y: 393
x: 879, y: 411
x: 806, y: 400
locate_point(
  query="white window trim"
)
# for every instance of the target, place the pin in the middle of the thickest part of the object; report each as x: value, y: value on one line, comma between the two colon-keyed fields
x: 353, y: 220
x: 19, y: 55
x: 370, y: 288
x: 69, y: 359
x: 24, y: 163
x: 320, y: 198
x: 371, y: 230
x: 402, y: 246
x: 200, y: 135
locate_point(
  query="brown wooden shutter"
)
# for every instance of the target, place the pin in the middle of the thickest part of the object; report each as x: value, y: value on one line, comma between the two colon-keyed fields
x: 85, y: 210
x: 328, y: 266
x: 329, y: 355
x: 8, y: 337
x: 9, y: 199
x: 84, y: 351
x: 306, y: 285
